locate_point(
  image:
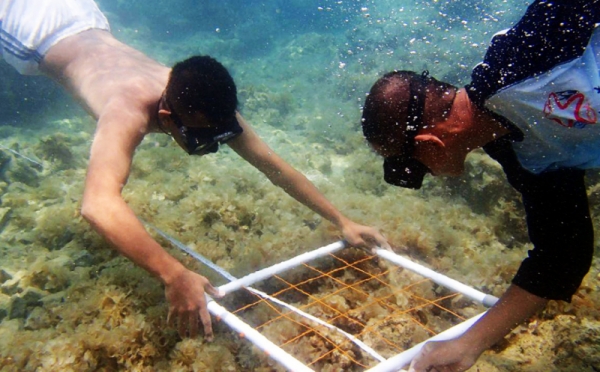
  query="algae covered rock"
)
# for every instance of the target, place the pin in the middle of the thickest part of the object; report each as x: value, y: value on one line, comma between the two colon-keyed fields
x: 17, y: 167
x: 4, y: 217
x: 21, y: 305
x: 4, y: 160
x: 38, y: 318
x: 11, y: 283
x: 4, y: 276
x: 4, y: 305
x: 56, y: 148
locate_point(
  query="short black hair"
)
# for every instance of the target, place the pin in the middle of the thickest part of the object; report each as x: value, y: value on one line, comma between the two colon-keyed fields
x: 202, y: 84
x: 385, y: 115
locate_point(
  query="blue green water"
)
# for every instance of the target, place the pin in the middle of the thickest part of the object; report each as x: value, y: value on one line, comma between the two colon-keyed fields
x: 69, y: 303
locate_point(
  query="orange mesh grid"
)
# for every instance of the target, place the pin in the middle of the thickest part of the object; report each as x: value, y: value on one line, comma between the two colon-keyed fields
x: 387, y: 307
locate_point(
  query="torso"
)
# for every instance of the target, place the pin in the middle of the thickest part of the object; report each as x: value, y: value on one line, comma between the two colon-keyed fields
x: 557, y: 112
x: 104, y: 74
x: 522, y: 66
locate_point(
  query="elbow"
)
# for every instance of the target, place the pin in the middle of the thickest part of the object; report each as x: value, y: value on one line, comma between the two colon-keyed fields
x: 89, y: 211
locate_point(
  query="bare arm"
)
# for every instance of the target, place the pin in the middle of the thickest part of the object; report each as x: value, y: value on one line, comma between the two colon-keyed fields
x: 117, y: 135
x: 254, y: 150
x: 103, y: 205
x: 513, y: 308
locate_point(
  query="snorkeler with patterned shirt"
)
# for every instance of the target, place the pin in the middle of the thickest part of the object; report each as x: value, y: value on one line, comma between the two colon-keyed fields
x: 131, y: 95
x: 532, y: 105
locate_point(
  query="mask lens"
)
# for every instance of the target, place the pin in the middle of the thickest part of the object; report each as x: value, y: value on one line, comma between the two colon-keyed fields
x: 207, y: 143
x: 201, y: 141
x: 404, y: 172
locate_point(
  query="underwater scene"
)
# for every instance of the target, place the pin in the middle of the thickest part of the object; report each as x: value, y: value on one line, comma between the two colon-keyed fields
x: 69, y: 302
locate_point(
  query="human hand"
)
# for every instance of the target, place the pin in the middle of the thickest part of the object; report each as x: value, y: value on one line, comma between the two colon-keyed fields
x: 364, y: 236
x: 187, y: 303
x: 444, y: 356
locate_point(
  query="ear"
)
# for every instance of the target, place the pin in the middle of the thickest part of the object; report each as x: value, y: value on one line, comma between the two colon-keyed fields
x: 164, y: 114
x: 165, y: 122
x: 429, y: 139
x: 164, y: 117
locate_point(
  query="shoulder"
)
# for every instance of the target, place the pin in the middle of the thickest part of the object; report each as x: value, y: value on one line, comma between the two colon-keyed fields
x: 548, y: 34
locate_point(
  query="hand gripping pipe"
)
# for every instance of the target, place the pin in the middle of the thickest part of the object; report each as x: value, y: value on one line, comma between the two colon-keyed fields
x: 403, y: 359
x: 244, y: 329
x: 288, y: 361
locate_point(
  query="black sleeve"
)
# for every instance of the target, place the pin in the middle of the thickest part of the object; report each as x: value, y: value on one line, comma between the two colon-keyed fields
x: 550, y: 33
x: 559, y: 225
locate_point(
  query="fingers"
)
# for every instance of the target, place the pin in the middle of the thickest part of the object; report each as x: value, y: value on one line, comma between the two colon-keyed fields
x: 439, y: 369
x: 361, y: 239
x: 193, y: 324
x: 188, y: 323
x: 373, y: 239
x: 170, y: 318
x: 188, y: 305
x: 439, y: 356
x: 421, y: 363
x: 182, y: 329
x: 380, y: 240
x: 206, y: 322
x: 383, y: 243
x: 215, y: 292
x: 430, y: 369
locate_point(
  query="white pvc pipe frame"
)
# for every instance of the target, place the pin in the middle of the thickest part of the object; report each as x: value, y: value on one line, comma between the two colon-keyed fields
x: 257, y: 339
x: 392, y: 364
x: 260, y: 341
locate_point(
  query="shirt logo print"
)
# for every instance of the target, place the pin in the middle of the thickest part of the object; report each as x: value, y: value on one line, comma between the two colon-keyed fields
x: 570, y: 108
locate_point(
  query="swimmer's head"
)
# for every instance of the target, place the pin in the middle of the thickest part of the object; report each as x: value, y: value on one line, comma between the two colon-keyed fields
x: 201, y: 84
x: 201, y: 102
x: 398, y: 106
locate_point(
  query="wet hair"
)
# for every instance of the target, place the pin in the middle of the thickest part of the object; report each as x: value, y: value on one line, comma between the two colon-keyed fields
x: 202, y: 84
x: 385, y: 116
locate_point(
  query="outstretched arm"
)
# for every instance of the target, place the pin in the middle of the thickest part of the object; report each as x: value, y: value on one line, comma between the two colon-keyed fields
x: 254, y: 150
x: 513, y: 308
x: 115, y: 140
